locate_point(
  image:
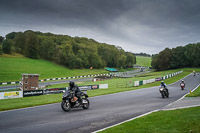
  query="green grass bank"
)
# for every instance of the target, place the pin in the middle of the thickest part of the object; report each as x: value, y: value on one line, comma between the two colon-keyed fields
x: 176, y: 121
x: 143, y: 61
x: 12, y: 66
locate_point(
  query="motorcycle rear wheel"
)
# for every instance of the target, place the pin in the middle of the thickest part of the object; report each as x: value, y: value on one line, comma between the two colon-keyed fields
x: 162, y: 94
x: 66, y: 106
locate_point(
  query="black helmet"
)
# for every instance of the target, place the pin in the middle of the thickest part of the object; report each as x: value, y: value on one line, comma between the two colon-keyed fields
x: 71, y: 84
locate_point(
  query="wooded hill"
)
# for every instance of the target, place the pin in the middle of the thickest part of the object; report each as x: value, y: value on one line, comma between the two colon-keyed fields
x: 179, y: 57
x: 72, y: 52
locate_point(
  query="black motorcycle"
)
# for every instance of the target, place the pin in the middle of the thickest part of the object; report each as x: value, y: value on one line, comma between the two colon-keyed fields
x: 69, y: 100
x: 164, y: 92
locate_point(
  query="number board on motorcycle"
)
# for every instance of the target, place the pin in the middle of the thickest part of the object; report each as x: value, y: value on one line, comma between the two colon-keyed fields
x: 84, y: 101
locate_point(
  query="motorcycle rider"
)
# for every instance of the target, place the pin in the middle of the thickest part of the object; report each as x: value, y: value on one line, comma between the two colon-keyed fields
x: 182, y: 82
x: 194, y: 73
x: 164, y: 85
x: 75, y: 89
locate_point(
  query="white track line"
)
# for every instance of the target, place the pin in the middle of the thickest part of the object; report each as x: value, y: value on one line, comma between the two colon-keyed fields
x: 126, y: 121
x: 181, y: 107
x: 27, y: 107
x: 151, y: 112
x: 145, y: 115
x: 183, y: 96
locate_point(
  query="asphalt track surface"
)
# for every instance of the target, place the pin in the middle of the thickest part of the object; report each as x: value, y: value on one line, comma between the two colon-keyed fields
x: 104, y: 111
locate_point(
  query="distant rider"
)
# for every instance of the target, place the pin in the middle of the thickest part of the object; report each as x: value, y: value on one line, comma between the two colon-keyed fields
x: 182, y: 82
x: 194, y: 73
x: 75, y: 89
x: 164, y: 85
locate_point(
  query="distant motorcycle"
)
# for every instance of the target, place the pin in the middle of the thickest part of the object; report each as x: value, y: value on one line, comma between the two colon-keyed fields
x: 69, y: 100
x: 194, y: 73
x: 164, y: 92
x: 182, y: 85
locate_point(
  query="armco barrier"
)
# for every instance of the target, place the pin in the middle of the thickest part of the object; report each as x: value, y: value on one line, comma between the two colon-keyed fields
x: 42, y: 80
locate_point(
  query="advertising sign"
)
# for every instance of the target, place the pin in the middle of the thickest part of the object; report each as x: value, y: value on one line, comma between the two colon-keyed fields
x: 103, y: 86
x: 95, y: 87
x: 32, y: 93
x: 54, y: 91
x: 12, y: 94
x: 159, y: 79
x: 87, y: 87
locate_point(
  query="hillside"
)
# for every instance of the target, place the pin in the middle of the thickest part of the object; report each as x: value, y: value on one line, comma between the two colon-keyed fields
x: 143, y: 61
x: 71, y: 52
x: 12, y: 66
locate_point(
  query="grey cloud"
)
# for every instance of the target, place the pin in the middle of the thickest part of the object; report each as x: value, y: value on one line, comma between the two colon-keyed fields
x: 135, y: 25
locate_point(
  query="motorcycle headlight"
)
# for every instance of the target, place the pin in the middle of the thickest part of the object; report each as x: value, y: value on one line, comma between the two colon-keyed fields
x: 161, y: 89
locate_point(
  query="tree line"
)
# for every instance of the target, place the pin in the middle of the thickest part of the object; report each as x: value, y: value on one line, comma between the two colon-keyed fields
x: 72, y: 52
x: 179, y: 57
x: 142, y: 54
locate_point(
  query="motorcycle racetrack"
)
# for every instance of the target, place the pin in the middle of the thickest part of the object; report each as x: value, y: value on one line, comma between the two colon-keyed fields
x: 104, y: 111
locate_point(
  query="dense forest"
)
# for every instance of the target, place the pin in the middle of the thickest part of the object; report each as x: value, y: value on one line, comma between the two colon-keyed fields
x: 179, y: 57
x: 72, y: 52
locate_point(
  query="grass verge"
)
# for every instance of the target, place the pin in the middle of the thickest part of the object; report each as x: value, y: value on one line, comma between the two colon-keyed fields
x: 176, y: 121
x: 195, y: 93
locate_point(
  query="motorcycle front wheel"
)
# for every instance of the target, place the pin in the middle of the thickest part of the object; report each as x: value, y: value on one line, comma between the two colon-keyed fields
x: 167, y: 94
x: 65, y: 106
x: 163, y: 95
x: 87, y: 104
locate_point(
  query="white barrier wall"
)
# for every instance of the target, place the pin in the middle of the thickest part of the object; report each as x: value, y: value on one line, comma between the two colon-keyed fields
x: 151, y: 80
x: 136, y: 83
x: 11, y: 94
x: 144, y: 82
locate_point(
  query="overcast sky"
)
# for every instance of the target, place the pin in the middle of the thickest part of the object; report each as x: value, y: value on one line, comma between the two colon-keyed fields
x: 135, y: 25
